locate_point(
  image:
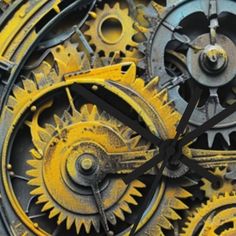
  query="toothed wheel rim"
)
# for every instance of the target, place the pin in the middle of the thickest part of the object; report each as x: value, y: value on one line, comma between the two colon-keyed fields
x: 61, y: 162
x: 216, y: 217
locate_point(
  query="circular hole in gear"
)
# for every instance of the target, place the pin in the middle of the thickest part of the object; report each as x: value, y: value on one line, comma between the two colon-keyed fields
x: 111, y: 30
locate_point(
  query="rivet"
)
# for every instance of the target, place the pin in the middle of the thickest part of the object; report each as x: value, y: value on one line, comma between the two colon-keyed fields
x: 94, y: 87
x: 9, y: 166
x: 33, y: 108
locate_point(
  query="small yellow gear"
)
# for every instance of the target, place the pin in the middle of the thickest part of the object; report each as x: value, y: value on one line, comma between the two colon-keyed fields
x: 217, y: 217
x: 111, y: 29
x: 228, y: 186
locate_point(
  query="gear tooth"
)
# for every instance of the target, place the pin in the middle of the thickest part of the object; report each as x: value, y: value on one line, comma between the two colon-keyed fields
x: 44, y: 135
x: 69, y: 222
x: 138, y: 184
x: 136, y: 193
x: 12, y: 102
x: 32, y: 173
x: 226, y: 137
x: 84, y: 111
x: 142, y: 48
x: 177, y: 204
x: 134, y: 141
x: 61, y: 218
x: 87, y: 225
x: 78, y: 224
x: 33, y: 163
x: 40, y: 146
x: 211, y: 138
x: 129, y: 199
x: 129, y: 76
x: 47, y: 207
x: 19, y: 93
x: 117, y: 6
x: 58, y: 121
x: 85, y: 64
x: 41, y: 198
x: 164, y: 223
x: 125, y: 207
x: 163, y: 95
x: 96, y: 225
x: 35, y: 154
x: 37, y: 191
x: 139, y: 84
x: 94, y: 115
x: 119, y: 213
x: 182, y: 193
x: 107, y: 6
x: 172, y: 214
x: 33, y: 182
x: 111, y: 218
x: 152, y: 85
x: 67, y: 117
x: 53, y: 213
x: 50, y: 128
x: 29, y: 85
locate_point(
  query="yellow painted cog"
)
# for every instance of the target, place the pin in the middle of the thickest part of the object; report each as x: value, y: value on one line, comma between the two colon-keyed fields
x: 217, y: 217
x: 111, y: 29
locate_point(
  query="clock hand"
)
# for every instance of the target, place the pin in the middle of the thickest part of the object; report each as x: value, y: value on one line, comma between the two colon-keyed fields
x: 208, y: 125
x: 91, y: 97
x: 194, y: 165
x: 142, y: 169
x: 150, y: 194
x: 188, y: 112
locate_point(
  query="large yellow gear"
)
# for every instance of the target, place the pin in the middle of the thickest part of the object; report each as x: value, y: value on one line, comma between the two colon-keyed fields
x: 216, y: 218
x: 54, y: 174
x: 111, y: 29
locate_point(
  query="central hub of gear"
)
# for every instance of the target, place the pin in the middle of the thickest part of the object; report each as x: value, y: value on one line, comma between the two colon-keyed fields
x: 212, y: 65
x: 87, y: 164
x: 111, y: 29
x: 213, y: 59
x: 82, y: 168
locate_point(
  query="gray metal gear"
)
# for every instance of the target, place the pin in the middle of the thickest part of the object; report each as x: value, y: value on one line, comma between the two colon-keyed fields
x: 176, y: 41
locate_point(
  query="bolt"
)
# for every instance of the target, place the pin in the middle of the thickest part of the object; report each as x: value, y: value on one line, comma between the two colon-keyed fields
x: 33, y: 108
x: 9, y: 166
x: 36, y: 225
x: 110, y: 233
x: 94, y: 87
x: 87, y: 163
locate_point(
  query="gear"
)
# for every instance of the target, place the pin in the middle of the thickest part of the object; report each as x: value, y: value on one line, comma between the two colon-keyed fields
x: 228, y: 186
x: 216, y: 217
x: 183, y: 37
x: 111, y: 29
x: 61, y: 149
